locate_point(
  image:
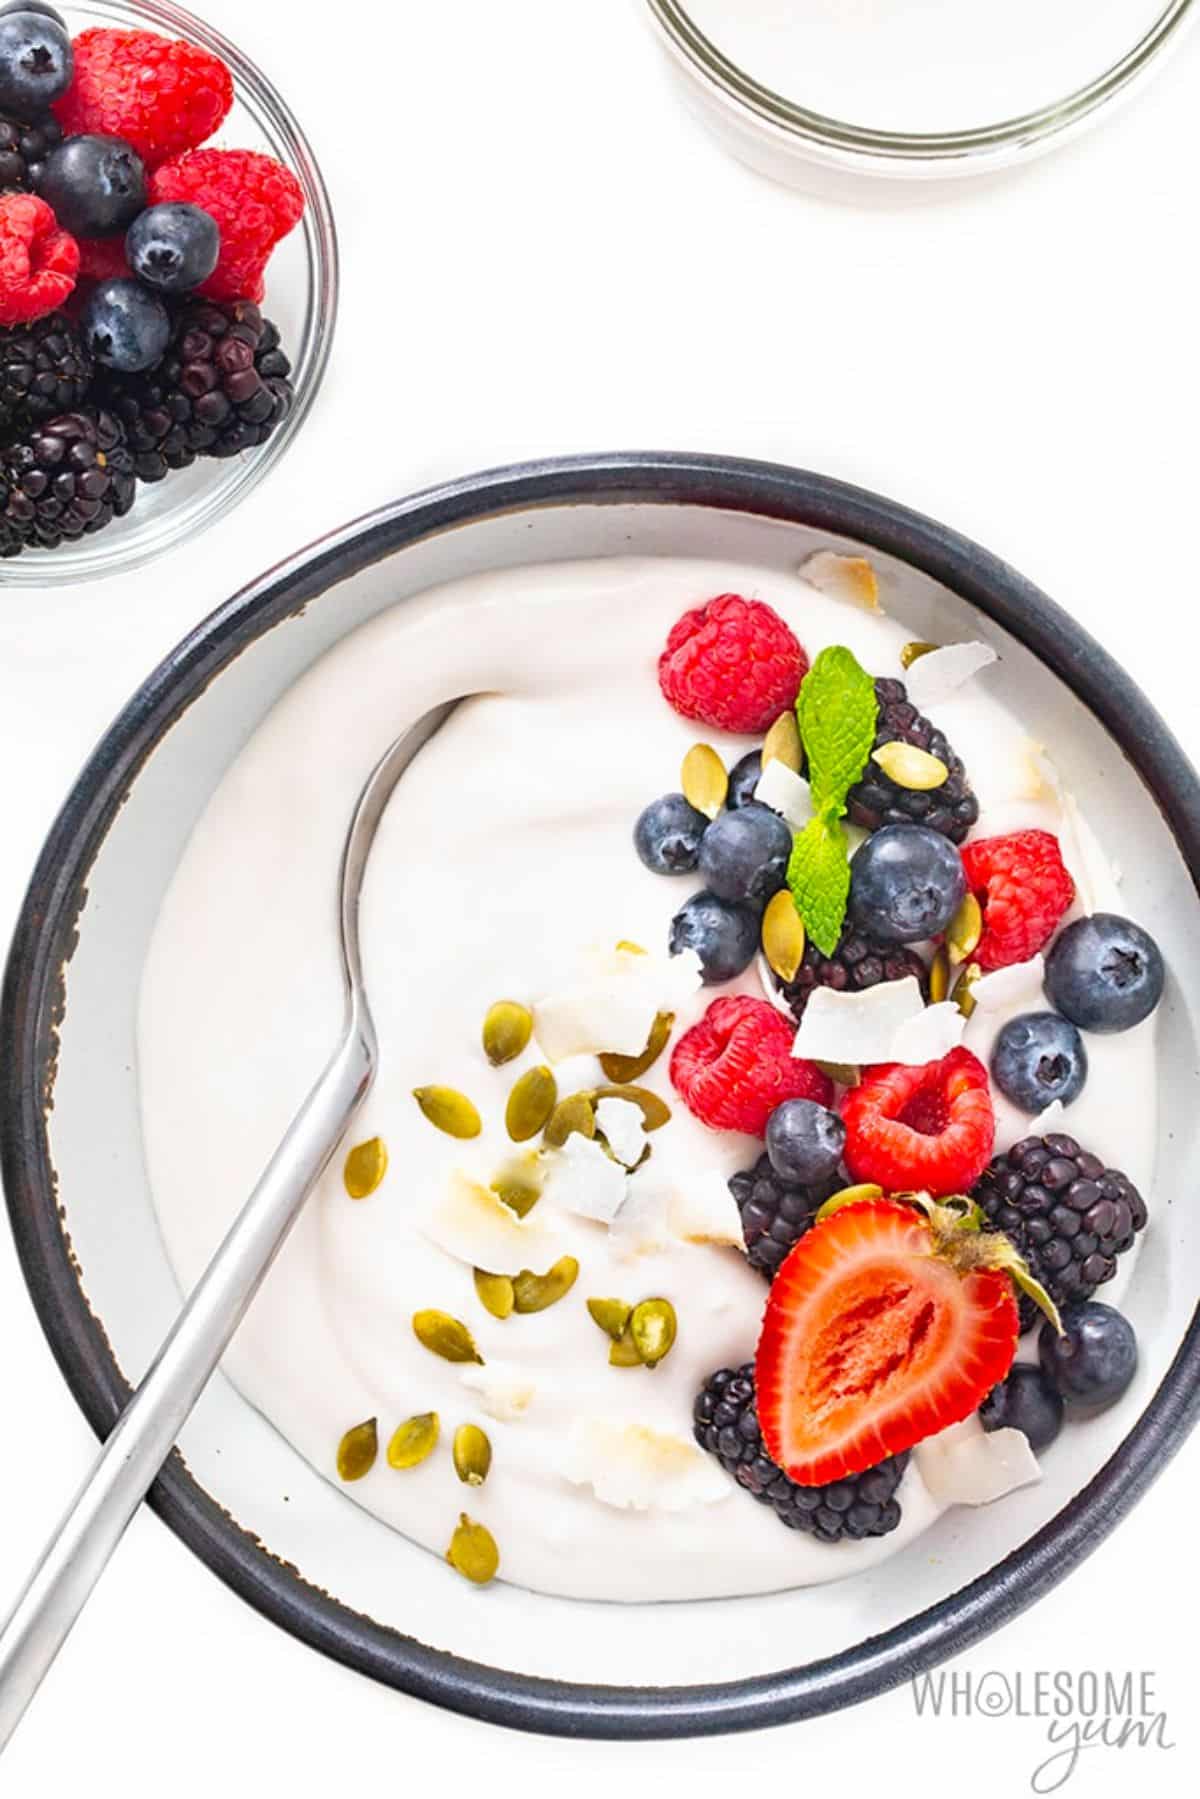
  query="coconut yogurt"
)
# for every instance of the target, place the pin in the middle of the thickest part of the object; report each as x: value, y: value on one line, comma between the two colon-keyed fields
x: 505, y: 857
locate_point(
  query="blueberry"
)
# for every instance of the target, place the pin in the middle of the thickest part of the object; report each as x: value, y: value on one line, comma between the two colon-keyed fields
x: 743, y: 779
x: 804, y: 1141
x: 1105, y: 973
x: 906, y: 884
x: 173, y: 247
x: 1039, y: 1057
x: 1096, y: 1357
x: 724, y: 936
x: 1027, y: 1401
x: 96, y: 185
x: 125, y: 326
x: 36, y: 61
x: 667, y: 835
x: 744, y: 855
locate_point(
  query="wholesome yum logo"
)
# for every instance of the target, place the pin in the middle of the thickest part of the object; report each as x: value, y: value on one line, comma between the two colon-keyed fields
x: 1081, y: 1710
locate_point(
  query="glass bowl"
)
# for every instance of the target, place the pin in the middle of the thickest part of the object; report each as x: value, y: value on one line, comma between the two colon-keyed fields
x: 302, y: 293
x: 914, y: 91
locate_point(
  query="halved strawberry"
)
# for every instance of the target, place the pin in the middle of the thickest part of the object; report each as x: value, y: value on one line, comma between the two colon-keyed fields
x: 882, y: 1326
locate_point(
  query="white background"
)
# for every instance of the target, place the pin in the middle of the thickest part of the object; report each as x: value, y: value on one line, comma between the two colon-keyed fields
x: 543, y: 253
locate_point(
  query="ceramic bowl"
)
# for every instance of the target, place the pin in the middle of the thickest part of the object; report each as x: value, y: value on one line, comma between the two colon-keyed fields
x: 299, y: 1548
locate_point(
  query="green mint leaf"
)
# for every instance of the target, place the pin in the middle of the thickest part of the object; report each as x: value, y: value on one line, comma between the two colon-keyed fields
x: 819, y: 877
x: 836, y: 711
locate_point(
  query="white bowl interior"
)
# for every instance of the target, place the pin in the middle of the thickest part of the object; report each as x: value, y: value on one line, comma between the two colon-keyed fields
x: 241, y: 1460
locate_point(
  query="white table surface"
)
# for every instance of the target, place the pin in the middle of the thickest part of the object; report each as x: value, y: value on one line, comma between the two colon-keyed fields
x: 567, y: 263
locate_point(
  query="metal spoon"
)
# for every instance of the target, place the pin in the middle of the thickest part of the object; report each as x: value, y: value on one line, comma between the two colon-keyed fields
x: 144, y: 1434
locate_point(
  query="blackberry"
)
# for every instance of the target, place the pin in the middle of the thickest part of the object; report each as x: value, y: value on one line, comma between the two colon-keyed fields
x: 775, y: 1213
x: 44, y: 370
x: 876, y: 800
x: 858, y: 962
x: 24, y: 149
x: 726, y: 1424
x: 63, y: 479
x: 222, y: 387
x: 1069, y: 1215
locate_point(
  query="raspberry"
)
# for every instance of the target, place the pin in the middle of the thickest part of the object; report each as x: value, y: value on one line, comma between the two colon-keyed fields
x: 254, y: 200
x: 1024, y: 889
x: 103, y: 259
x: 732, y: 664
x: 38, y: 262
x: 160, y: 94
x: 921, y: 1130
x: 734, y: 1067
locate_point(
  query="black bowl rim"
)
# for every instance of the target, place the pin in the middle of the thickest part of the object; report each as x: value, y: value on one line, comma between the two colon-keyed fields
x: 32, y: 1007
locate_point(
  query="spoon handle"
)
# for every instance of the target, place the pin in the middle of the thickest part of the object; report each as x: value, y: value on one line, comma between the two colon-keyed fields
x: 143, y: 1436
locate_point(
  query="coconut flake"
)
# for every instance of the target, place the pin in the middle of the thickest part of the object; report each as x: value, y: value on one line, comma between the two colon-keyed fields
x: 770, y: 987
x: 785, y: 792
x: 505, y: 1390
x: 966, y: 1465
x: 928, y: 1037
x: 471, y: 1223
x: 624, y: 1129
x: 582, y: 1180
x: 612, y: 1008
x: 939, y: 674
x: 849, y: 578
x: 857, y: 1028
x: 1017, y: 985
x: 703, y: 1210
x: 633, y: 1468
x: 642, y: 1226
x: 1050, y: 1118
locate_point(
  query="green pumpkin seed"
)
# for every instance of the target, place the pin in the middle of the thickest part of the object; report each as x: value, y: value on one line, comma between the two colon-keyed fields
x: 495, y: 1293
x: 939, y: 977
x: 910, y: 767
x: 782, y: 743
x: 520, y: 1184
x: 912, y: 652
x: 445, y: 1336
x: 653, y: 1327
x: 623, y: 1069
x: 357, y: 1450
x: 963, y: 998
x: 365, y: 1168
x: 535, y: 1292
x: 849, y: 1196
x: 530, y: 1104
x: 612, y: 1315
x: 623, y: 1351
x: 655, y: 1111
x: 449, y: 1110
x: 472, y: 1454
x: 414, y: 1441
x: 845, y: 1074
x: 575, y: 1116
x: 473, y: 1552
x: 704, y: 780
x: 783, y: 935
x: 507, y: 1029
x: 964, y: 931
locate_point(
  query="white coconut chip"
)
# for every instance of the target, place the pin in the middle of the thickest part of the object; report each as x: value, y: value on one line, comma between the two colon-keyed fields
x: 471, y: 1223
x: 929, y: 1036
x: 857, y: 1028
x: 1018, y: 985
x: 770, y: 987
x: 1051, y: 1118
x: 612, y: 1008
x: 624, y: 1129
x: 939, y: 674
x: 785, y: 792
x: 582, y: 1180
x: 633, y: 1468
x: 966, y: 1465
x: 703, y: 1210
x: 849, y: 578
x: 505, y: 1390
x: 642, y: 1226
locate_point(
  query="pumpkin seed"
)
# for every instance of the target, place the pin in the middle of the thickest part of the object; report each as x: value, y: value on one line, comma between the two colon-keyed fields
x: 520, y: 1184
x: 495, y: 1293
x: 507, y: 1029
x: 445, y: 1336
x: 612, y: 1315
x: 449, y: 1110
x: 910, y: 767
x: 628, y: 948
x: 473, y: 1552
x: 964, y: 931
x: 357, y: 1450
x: 623, y: 1069
x: 783, y: 935
x: 939, y: 977
x: 575, y: 1116
x: 849, y: 1196
x: 530, y: 1104
x: 535, y: 1292
x: 623, y: 1351
x: 655, y: 1111
x: 365, y: 1167
x: 472, y: 1454
x: 845, y: 1074
x: 782, y: 743
x: 704, y: 780
x: 912, y: 652
x: 653, y: 1327
x: 414, y: 1441
x: 964, y: 999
